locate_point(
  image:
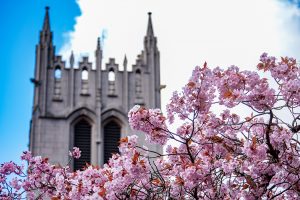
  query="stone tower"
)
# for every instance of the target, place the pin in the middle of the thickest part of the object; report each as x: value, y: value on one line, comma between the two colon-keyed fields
x: 86, y: 106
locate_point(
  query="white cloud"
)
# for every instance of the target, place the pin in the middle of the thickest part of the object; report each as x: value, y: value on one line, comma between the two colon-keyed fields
x: 189, y: 33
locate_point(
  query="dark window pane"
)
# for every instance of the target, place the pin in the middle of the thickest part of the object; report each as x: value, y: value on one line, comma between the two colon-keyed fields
x: 82, y: 140
x: 111, y: 139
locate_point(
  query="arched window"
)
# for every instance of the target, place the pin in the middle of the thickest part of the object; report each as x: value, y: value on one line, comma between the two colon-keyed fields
x: 111, y: 82
x: 138, y: 87
x: 138, y: 81
x: 57, y: 73
x: 84, y: 81
x: 111, y: 75
x: 57, y: 84
x: 84, y: 74
x: 82, y: 140
x: 112, y: 135
x: 138, y: 71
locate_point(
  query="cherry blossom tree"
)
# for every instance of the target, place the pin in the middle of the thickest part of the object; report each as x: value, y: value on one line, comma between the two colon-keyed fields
x: 237, y: 138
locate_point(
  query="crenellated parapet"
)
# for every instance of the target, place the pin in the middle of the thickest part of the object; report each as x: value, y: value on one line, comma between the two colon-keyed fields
x: 85, y: 85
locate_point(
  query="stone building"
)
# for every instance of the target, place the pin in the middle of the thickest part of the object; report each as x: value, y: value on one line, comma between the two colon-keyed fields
x: 86, y: 104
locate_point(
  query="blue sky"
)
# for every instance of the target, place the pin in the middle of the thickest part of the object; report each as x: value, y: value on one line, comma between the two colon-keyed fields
x: 219, y: 32
x: 20, y: 22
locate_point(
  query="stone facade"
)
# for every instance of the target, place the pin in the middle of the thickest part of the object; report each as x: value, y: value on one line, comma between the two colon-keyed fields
x: 65, y: 95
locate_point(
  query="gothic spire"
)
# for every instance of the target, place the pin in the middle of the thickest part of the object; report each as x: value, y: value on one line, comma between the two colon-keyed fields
x: 98, y: 44
x: 72, y: 60
x: 150, y: 39
x: 46, y: 34
x: 125, y: 62
x: 46, y: 24
x: 150, y: 27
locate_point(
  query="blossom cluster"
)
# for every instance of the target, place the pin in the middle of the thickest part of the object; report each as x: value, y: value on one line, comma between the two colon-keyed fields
x: 151, y: 122
x: 44, y: 179
x: 286, y: 74
x: 218, y: 155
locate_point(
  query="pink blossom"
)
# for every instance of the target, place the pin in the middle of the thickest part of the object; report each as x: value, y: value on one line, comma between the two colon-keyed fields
x: 76, y: 153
